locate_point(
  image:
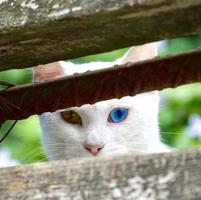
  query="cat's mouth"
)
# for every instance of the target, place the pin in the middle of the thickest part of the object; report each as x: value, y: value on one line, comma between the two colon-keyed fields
x: 94, y: 149
x: 105, y: 151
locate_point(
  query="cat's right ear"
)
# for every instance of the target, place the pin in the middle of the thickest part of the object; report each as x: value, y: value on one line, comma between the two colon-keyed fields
x: 139, y: 53
x: 47, y: 72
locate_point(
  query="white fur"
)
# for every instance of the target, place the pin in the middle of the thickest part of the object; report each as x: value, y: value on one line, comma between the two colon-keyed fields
x: 138, y: 133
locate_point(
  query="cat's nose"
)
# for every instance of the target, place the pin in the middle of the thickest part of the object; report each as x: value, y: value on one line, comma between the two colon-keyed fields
x: 94, y: 149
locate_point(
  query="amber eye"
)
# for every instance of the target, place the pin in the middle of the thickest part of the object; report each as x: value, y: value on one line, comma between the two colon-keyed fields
x: 71, y: 117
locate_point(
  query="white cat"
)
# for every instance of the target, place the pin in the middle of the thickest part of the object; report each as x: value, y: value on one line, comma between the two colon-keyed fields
x: 115, y: 126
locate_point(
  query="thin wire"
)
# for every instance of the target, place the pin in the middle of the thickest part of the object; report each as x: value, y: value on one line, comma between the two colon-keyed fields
x: 5, y: 83
x: 9, y: 130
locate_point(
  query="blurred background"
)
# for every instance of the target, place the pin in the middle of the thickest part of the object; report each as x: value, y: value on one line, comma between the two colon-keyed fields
x: 180, y: 110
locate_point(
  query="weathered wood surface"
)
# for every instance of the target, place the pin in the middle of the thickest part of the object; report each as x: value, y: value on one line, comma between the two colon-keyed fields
x: 173, y: 176
x: 90, y: 87
x: 39, y: 32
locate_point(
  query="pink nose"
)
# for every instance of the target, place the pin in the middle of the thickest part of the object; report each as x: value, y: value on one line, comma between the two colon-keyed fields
x: 94, y: 149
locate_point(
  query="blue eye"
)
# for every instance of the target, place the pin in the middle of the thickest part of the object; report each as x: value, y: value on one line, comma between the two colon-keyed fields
x: 117, y: 115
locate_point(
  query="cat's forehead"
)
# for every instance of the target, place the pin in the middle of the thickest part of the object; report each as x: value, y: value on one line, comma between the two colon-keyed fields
x: 128, y: 101
x: 141, y: 101
x: 117, y: 102
x: 125, y: 101
x: 107, y: 105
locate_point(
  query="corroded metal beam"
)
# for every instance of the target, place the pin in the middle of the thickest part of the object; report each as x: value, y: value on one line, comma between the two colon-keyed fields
x: 123, y: 80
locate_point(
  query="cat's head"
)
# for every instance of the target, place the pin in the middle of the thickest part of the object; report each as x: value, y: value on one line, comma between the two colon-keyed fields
x: 115, y: 126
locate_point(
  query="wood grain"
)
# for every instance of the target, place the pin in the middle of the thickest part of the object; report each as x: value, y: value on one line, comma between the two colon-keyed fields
x: 144, y: 177
x: 44, y: 31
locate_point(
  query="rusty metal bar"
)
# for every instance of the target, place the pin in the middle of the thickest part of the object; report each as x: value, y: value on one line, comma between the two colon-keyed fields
x: 129, y: 79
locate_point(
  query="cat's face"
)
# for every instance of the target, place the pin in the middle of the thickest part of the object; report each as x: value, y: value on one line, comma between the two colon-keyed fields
x: 110, y: 127
x: 115, y: 126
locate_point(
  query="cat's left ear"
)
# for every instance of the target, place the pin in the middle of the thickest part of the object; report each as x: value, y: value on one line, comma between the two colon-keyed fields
x: 139, y: 53
x: 47, y: 72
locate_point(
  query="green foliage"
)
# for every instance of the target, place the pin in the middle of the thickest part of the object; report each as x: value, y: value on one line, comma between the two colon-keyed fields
x: 110, y: 56
x: 16, y: 76
x: 180, y: 103
x: 24, y: 140
x: 176, y: 107
x: 180, y: 45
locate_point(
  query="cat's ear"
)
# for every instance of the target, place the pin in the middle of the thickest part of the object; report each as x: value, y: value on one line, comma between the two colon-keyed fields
x: 138, y: 53
x: 47, y: 72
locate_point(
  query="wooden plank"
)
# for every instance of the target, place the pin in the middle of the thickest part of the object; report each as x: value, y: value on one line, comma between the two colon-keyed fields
x: 90, y: 87
x: 43, y: 31
x: 144, y: 177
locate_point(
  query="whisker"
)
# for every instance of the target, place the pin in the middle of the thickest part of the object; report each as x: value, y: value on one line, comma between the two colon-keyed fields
x: 28, y: 154
x: 141, y: 142
x: 51, y: 156
x: 40, y: 153
x: 61, y: 156
x: 169, y: 133
x: 134, y: 149
x: 29, y: 160
x: 172, y: 148
x: 42, y: 160
x: 162, y: 139
x: 55, y: 144
x: 40, y: 149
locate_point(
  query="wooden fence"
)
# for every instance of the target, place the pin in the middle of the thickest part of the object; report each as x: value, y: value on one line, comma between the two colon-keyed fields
x: 39, y: 32
x: 171, y: 176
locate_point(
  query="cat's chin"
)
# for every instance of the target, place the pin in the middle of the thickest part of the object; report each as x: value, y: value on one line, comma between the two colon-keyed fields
x: 82, y: 153
x: 117, y: 152
x: 112, y: 153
